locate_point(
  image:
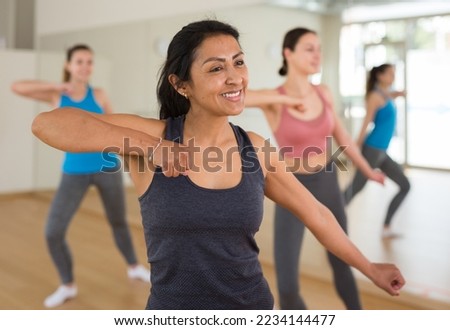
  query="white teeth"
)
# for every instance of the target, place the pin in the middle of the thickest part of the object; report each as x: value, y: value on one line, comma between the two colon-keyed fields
x: 231, y: 94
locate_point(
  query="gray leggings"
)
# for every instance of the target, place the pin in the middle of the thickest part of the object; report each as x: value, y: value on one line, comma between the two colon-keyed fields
x: 379, y: 159
x: 69, y: 195
x: 289, y: 233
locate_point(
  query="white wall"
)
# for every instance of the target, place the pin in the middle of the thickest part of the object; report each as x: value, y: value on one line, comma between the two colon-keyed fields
x: 52, y: 15
x: 16, y: 115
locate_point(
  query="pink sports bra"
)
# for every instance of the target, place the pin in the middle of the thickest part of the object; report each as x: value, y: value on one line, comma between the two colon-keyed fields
x: 299, y: 138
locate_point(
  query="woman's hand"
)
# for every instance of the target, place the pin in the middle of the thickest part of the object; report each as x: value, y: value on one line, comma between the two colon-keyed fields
x: 377, y: 176
x: 172, y: 157
x: 387, y: 277
x: 294, y: 103
x: 65, y: 88
x: 398, y: 93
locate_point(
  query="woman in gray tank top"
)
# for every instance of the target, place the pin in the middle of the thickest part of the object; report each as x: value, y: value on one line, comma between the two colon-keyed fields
x: 202, y: 180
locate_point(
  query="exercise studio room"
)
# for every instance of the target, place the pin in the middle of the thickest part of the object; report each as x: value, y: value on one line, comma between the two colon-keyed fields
x: 189, y: 158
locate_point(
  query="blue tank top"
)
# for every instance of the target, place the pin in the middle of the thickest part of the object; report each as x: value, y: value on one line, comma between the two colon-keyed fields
x: 200, y: 242
x: 384, y: 126
x: 86, y: 162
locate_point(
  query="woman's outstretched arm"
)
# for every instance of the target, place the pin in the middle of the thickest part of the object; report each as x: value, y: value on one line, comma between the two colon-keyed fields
x: 284, y: 189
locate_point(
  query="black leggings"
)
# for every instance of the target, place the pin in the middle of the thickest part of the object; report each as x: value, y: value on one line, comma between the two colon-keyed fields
x: 289, y: 233
x: 379, y: 159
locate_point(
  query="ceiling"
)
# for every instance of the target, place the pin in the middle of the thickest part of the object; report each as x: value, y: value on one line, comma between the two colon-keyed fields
x: 337, y: 6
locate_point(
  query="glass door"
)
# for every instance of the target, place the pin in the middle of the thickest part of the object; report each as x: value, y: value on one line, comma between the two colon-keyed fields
x: 428, y: 72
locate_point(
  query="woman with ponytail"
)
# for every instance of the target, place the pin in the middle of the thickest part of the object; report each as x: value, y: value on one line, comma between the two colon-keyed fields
x: 382, y: 112
x: 304, y: 123
x: 80, y: 171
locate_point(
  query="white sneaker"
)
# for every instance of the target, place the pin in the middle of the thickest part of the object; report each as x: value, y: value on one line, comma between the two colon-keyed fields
x: 62, y: 294
x: 139, y: 273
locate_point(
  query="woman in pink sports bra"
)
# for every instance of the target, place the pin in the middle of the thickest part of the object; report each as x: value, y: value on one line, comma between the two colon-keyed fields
x: 304, y: 123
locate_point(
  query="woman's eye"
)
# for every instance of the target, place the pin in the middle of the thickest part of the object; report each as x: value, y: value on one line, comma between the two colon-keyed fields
x: 216, y: 69
x: 240, y: 62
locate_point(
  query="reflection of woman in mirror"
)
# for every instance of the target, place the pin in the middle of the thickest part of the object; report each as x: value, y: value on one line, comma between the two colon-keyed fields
x: 200, y: 218
x: 303, y: 121
x: 81, y: 170
x: 382, y: 112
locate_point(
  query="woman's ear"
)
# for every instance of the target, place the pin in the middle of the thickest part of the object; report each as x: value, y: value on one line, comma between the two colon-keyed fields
x: 174, y: 80
x: 286, y: 52
x: 177, y: 84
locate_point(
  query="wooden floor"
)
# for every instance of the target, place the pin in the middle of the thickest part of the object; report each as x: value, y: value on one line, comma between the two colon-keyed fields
x: 27, y: 275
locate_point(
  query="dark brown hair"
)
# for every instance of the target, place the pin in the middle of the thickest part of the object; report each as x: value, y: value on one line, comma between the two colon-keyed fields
x: 372, y: 78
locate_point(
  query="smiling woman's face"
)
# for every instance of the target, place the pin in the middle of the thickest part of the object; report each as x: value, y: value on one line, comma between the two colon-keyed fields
x: 219, y: 77
x: 80, y: 65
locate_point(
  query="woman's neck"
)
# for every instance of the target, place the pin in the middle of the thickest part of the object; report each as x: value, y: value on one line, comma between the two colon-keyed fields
x: 78, y: 85
x: 207, y: 130
x: 298, y: 85
x: 383, y: 87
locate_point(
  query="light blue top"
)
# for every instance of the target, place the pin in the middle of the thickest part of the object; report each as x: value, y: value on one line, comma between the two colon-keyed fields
x: 384, y: 126
x: 86, y: 162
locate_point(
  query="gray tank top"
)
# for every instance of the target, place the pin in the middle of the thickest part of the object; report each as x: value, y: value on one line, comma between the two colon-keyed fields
x: 200, y: 242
